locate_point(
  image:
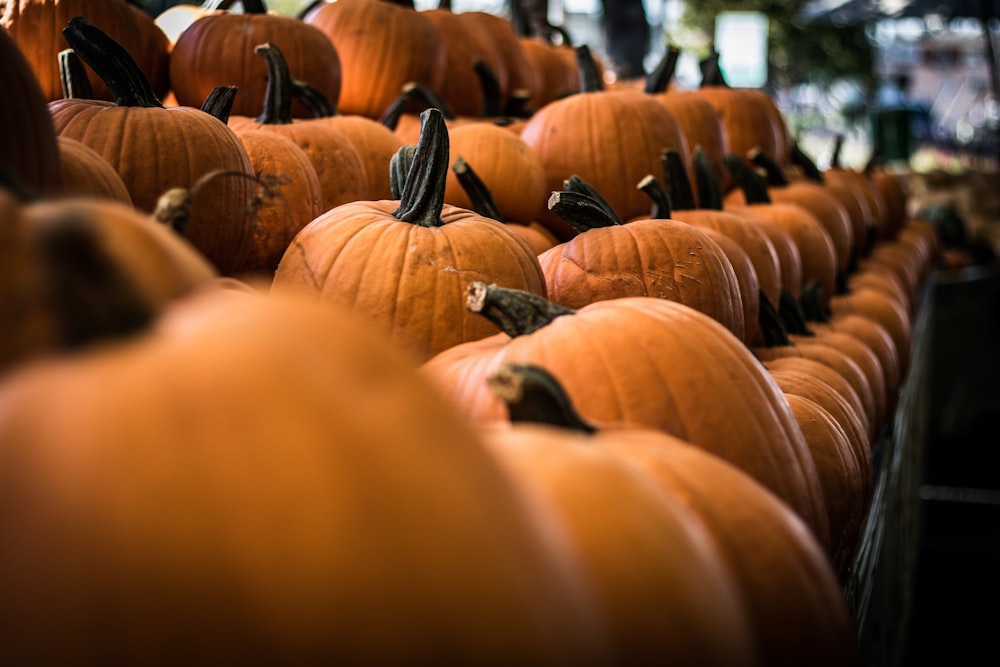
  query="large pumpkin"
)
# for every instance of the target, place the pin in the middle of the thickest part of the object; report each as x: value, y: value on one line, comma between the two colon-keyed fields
x: 259, y: 477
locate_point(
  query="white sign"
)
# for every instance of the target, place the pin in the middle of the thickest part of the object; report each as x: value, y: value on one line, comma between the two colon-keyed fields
x: 741, y: 40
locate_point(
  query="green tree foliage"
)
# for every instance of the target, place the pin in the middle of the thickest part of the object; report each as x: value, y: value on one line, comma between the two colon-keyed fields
x: 816, y: 53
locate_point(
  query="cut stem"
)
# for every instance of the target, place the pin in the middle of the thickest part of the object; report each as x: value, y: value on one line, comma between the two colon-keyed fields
x: 515, y: 312
x: 535, y: 396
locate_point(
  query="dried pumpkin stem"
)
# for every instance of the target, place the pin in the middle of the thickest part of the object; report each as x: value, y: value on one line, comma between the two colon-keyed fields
x: 73, y: 76
x: 219, y: 102
x: 801, y: 159
x: 791, y: 314
x: 254, y: 7
x: 478, y: 192
x: 313, y: 99
x: 492, y: 95
x: 576, y: 184
x: 771, y: 325
x: 659, y: 199
x: 278, y: 94
x: 590, y: 78
x: 707, y: 182
x: 173, y: 208
x: 580, y: 211
x: 399, y: 169
x: 659, y: 79
x: 112, y: 62
x: 774, y: 175
x: 515, y: 312
x: 535, y: 396
x: 811, y: 299
x: 677, y: 180
x: 753, y: 186
x: 422, y: 198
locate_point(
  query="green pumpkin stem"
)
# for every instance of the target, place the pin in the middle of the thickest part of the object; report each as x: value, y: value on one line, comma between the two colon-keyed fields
x: 219, y: 102
x: 801, y: 159
x: 792, y: 315
x: 515, y: 312
x: 492, y: 95
x: 774, y: 175
x: 576, y: 184
x: 278, y: 94
x: 73, y: 76
x: 399, y: 168
x: 811, y: 299
x: 114, y: 65
x: 580, y: 211
x: 478, y: 192
x: 677, y: 182
x: 753, y: 186
x: 771, y: 325
x: 534, y: 396
x: 659, y: 79
x: 707, y: 182
x: 590, y: 78
x: 313, y: 99
x: 659, y: 198
x: 422, y: 198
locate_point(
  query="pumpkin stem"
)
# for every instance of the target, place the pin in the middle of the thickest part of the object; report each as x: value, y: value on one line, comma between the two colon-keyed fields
x: 753, y: 186
x: 659, y: 198
x: 112, y: 62
x: 580, y: 211
x: 492, y: 95
x: 414, y: 95
x: 707, y: 182
x: 399, y: 168
x: 73, y: 77
x: 534, y: 396
x: 801, y: 159
x: 678, y: 183
x: 212, y: 5
x: 478, y: 192
x: 515, y: 312
x: 792, y: 315
x: 422, y: 198
x: 838, y: 146
x: 317, y: 103
x: 278, y: 93
x: 774, y: 175
x: 219, y: 102
x: 91, y: 299
x: 517, y: 105
x: 173, y: 208
x: 576, y: 184
x: 254, y: 7
x: 812, y: 302
x: 711, y: 73
x: 659, y: 79
x: 590, y: 78
x: 771, y: 324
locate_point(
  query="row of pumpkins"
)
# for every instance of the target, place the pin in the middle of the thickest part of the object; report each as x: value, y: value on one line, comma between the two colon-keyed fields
x: 314, y: 366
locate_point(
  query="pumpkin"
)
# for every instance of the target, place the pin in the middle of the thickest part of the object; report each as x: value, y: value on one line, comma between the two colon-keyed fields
x: 521, y: 76
x: 555, y: 75
x: 218, y: 49
x: 233, y: 483
x: 884, y: 310
x: 29, y: 154
x: 175, y: 19
x: 35, y: 26
x: 154, y: 149
x: 780, y: 572
x: 751, y: 118
x: 661, y: 258
x: 79, y: 269
x: 611, y: 139
x: 85, y: 173
x: 405, y: 264
x: 643, y: 361
x: 333, y: 155
x: 382, y: 46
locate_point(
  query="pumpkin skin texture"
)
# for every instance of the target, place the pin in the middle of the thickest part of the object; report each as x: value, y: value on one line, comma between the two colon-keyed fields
x: 664, y: 590
x: 28, y: 149
x: 382, y: 47
x: 35, y: 26
x: 219, y: 49
x: 84, y: 172
x: 284, y: 515
x: 657, y: 363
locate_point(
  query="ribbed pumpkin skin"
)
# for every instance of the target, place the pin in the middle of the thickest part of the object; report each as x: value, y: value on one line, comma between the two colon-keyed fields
x: 796, y: 607
x: 664, y: 590
x: 36, y: 26
x: 382, y: 47
x: 610, y: 139
x: 665, y: 259
x: 263, y: 501
x: 154, y: 149
x: 84, y: 172
x: 640, y: 360
x: 407, y: 279
x: 28, y: 147
x: 219, y: 50
x: 746, y: 279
